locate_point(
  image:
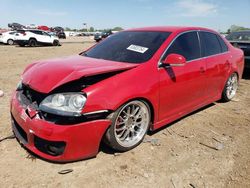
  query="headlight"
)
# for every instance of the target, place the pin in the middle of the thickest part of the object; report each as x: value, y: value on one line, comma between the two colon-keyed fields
x: 65, y: 104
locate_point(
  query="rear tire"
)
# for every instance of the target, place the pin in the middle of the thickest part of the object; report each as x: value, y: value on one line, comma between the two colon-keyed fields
x: 32, y: 43
x: 230, y: 88
x: 10, y: 42
x: 55, y: 43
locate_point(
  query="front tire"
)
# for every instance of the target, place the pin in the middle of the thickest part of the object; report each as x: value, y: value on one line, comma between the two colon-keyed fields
x: 130, y: 124
x: 230, y: 88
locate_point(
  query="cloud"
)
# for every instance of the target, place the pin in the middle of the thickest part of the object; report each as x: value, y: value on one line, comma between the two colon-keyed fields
x: 196, y: 8
x: 51, y: 13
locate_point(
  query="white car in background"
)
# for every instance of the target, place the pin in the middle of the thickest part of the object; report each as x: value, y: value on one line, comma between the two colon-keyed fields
x: 7, y: 37
x: 34, y: 37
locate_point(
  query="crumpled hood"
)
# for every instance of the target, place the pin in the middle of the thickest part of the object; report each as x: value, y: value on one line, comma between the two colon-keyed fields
x: 44, y: 76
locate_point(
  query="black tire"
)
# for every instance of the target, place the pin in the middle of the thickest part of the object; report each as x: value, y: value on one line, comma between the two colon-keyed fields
x: 10, y: 42
x: 55, y: 43
x: 32, y: 43
x: 230, y: 88
x: 111, y: 138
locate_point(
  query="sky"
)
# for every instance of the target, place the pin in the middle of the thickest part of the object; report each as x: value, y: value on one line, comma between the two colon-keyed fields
x: 101, y: 14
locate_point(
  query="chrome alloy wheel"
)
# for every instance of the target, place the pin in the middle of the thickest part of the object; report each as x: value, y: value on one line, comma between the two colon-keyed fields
x: 132, y: 123
x: 232, y: 85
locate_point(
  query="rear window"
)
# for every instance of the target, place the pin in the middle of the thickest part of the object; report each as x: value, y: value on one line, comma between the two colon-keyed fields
x: 210, y: 44
x: 36, y: 32
x: 129, y: 46
x: 223, y: 45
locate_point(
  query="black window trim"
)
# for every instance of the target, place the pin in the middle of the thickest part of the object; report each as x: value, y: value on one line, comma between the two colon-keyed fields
x: 198, y: 33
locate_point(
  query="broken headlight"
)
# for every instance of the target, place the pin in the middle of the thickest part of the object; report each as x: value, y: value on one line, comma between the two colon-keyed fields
x: 65, y: 104
x: 19, y: 86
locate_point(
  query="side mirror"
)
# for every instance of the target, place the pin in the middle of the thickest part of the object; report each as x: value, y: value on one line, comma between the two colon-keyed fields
x: 174, y: 60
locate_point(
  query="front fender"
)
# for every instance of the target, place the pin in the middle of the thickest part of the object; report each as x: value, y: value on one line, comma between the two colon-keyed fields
x: 110, y: 94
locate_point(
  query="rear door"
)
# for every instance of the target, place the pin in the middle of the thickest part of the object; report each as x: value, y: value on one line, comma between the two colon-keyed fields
x: 38, y: 35
x: 182, y: 89
x: 217, y: 58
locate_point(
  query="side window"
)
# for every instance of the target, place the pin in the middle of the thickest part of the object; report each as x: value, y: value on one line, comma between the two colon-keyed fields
x: 186, y: 45
x: 37, y: 32
x: 46, y: 34
x: 223, y: 45
x: 210, y: 44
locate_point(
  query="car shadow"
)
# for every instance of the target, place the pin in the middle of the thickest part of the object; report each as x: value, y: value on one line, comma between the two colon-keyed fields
x: 180, y: 119
x: 105, y: 149
x: 246, y: 74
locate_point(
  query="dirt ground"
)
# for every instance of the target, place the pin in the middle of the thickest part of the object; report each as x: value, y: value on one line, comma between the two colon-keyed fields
x: 209, y: 148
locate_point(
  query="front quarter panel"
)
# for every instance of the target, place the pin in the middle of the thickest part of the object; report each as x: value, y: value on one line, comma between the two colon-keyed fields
x: 110, y: 94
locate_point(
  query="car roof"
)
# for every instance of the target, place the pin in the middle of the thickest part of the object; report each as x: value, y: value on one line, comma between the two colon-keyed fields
x: 170, y: 29
x: 30, y: 30
x: 9, y: 31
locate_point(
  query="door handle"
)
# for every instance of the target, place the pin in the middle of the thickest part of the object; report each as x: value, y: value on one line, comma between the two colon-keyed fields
x: 202, y: 69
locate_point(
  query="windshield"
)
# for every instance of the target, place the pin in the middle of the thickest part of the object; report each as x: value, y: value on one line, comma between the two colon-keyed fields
x: 239, y: 36
x: 129, y: 46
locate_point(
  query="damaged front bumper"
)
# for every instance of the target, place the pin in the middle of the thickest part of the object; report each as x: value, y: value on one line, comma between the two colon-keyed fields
x: 55, y: 142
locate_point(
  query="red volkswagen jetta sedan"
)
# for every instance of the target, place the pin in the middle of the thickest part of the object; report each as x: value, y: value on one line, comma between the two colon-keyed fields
x: 133, y: 81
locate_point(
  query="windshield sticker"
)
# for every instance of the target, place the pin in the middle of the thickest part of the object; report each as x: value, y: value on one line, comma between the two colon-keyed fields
x: 136, y: 48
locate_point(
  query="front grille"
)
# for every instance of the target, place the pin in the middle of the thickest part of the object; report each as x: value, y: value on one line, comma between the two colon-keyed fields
x: 20, y: 130
x: 32, y: 95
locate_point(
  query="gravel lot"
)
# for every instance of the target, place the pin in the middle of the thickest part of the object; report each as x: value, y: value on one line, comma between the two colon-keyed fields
x: 209, y: 148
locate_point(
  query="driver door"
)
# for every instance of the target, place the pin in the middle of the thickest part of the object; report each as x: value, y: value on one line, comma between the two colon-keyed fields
x: 182, y: 88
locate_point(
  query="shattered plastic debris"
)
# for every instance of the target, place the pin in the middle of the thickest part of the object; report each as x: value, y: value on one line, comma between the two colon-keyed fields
x: 219, y: 146
x: 117, y: 154
x: 153, y: 141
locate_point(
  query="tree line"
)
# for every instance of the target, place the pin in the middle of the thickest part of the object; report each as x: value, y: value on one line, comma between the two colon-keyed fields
x: 92, y: 29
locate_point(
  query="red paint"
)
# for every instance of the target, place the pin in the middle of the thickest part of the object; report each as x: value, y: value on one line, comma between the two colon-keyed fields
x: 43, y: 27
x: 172, y: 92
x: 55, y: 72
x: 174, y: 59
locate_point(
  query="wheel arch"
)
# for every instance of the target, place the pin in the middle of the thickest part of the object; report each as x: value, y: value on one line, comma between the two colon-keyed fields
x: 32, y: 38
x: 142, y: 99
x: 145, y: 100
x: 225, y: 83
x: 151, y: 108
